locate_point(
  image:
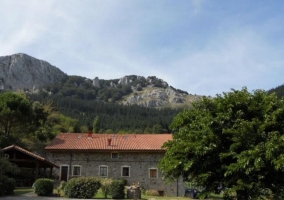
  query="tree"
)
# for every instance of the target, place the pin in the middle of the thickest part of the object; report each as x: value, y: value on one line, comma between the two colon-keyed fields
x: 157, y: 128
x: 6, y: 166
x: 96, y: 125
x: 234, y: 140
x: 7, y: 184
x: 15, y: 113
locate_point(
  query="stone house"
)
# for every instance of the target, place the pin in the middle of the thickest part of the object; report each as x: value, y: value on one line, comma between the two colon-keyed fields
x: 133, y: 157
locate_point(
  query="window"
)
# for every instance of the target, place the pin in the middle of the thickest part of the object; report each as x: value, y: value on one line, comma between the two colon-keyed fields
x: 103, y: 171
x: 76, y: 170
x: 125, y: 171
x: 153, y: 173
x: 114, y: 155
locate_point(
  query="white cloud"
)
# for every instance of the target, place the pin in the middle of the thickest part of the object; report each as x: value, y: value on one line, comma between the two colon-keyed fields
x: 230, y: 61
x: 197, y: 47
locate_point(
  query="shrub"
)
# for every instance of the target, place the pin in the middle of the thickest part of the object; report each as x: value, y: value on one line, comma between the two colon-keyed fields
x: 62, y: 185
x: 82, y: 187
x: 43, y: 186
x: 7, y: 185
x: 117, y: 189
x: 105, y: 185
x: 151, y: 192
x: 124, y: 181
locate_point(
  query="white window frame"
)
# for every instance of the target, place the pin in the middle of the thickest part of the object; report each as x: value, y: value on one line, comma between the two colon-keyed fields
x: 153, y: 168
x: 105, y: 166
x: 125, y: 166
x: 73, y: 168
x: 114, y: 153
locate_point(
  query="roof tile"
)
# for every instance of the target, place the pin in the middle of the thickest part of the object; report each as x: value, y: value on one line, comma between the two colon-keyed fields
x: 129, y: 142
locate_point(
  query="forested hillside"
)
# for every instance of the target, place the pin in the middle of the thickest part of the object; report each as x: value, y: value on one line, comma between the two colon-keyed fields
x: 81, y: 99
x: 279, y: 91
x: 113, y: 118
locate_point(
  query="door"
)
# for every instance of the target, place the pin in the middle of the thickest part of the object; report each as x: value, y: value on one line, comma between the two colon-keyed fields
x: 64, y: 173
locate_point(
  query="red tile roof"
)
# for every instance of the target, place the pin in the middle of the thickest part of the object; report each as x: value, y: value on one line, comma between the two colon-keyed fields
x: 33, y: 155
x: 117, y: 142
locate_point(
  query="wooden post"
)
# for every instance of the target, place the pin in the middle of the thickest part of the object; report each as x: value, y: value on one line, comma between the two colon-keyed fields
x: 36, y: 171
x: 50, y: 175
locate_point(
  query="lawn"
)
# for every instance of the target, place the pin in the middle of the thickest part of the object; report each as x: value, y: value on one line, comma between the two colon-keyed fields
x: 99, y: 195
x: 20, y: 191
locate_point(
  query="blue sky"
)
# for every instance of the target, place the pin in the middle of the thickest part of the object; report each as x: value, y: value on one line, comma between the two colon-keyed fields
x: 204, y: 47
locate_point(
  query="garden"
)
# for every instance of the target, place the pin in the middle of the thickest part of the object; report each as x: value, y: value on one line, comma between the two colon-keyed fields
x: 95, y: 188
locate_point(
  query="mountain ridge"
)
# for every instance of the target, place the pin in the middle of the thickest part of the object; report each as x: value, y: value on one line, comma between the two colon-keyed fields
x: 26, y: 73
x: 21, y: 71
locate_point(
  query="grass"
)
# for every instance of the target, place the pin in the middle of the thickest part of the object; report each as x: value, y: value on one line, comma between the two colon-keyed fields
x: 20, y: 191
x: 100, y: 195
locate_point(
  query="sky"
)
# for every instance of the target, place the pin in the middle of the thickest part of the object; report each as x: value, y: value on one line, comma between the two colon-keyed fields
x: 204, y: 47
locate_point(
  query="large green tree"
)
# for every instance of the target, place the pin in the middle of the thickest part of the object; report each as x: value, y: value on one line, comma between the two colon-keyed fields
x: 16, y: 113
x: 234, y: 140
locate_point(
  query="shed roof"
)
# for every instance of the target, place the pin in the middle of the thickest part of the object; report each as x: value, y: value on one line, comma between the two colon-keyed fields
x: 29, y: 156
x: 117, y: 142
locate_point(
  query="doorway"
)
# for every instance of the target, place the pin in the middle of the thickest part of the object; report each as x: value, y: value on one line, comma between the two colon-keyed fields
x: 64, y: 173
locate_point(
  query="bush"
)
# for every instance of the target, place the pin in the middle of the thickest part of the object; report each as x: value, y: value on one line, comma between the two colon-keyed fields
x: 43, y: 186
x: 152, y: 192
x: 105, y: 185
x: 82, y: 187
x: 62, y: 185
x: 7, y: 185
x: 117, y: 189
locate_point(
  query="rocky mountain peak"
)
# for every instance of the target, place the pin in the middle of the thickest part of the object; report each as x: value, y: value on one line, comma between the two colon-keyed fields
x: 21, y: 71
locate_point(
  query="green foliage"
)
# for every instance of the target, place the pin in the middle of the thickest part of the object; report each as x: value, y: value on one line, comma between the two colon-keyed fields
x: 82, y: 187
x: 77, y: 98
x: 234, y: 139
x: 152, y: 192
x: 7, y: 185
x: 6, y: 166
x: 105, y: 186
x: 279, y: 91
x: 62, y: 185
x: 116, y: 189
x: 111, y: 116
x: 15, y: 112
x: 96, y: 125
x: 41, y: 122
x: 43, y: 186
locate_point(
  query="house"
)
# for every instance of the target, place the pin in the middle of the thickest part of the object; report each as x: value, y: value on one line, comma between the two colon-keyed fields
x: 32, y: 166
x: 133, y: 157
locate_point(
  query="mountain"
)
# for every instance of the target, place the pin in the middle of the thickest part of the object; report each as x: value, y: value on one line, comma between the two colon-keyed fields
x: 279, y: 91
x: 124, y: 104
x: 21, y: 71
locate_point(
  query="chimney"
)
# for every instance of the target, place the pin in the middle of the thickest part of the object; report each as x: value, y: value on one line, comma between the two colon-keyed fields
x: 109, y: 142
x: 89, y: 134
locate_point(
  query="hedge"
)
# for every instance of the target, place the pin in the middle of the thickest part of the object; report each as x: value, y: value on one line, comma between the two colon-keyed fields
x: 82, y: 187
x: 43, y: 186
x: 7, y: 185
x: 116, y: 189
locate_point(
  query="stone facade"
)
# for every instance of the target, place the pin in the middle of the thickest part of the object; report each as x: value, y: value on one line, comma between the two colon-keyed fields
x: 135, y: 167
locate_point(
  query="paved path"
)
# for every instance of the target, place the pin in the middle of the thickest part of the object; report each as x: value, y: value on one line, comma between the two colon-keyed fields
x: 33, y: 196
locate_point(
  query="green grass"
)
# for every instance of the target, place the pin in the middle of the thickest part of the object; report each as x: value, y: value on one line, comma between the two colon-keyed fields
x: 100, y: 195
x: 20, y: 191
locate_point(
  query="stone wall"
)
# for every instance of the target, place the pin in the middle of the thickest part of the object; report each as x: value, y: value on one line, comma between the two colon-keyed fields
x: 139, y: 164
